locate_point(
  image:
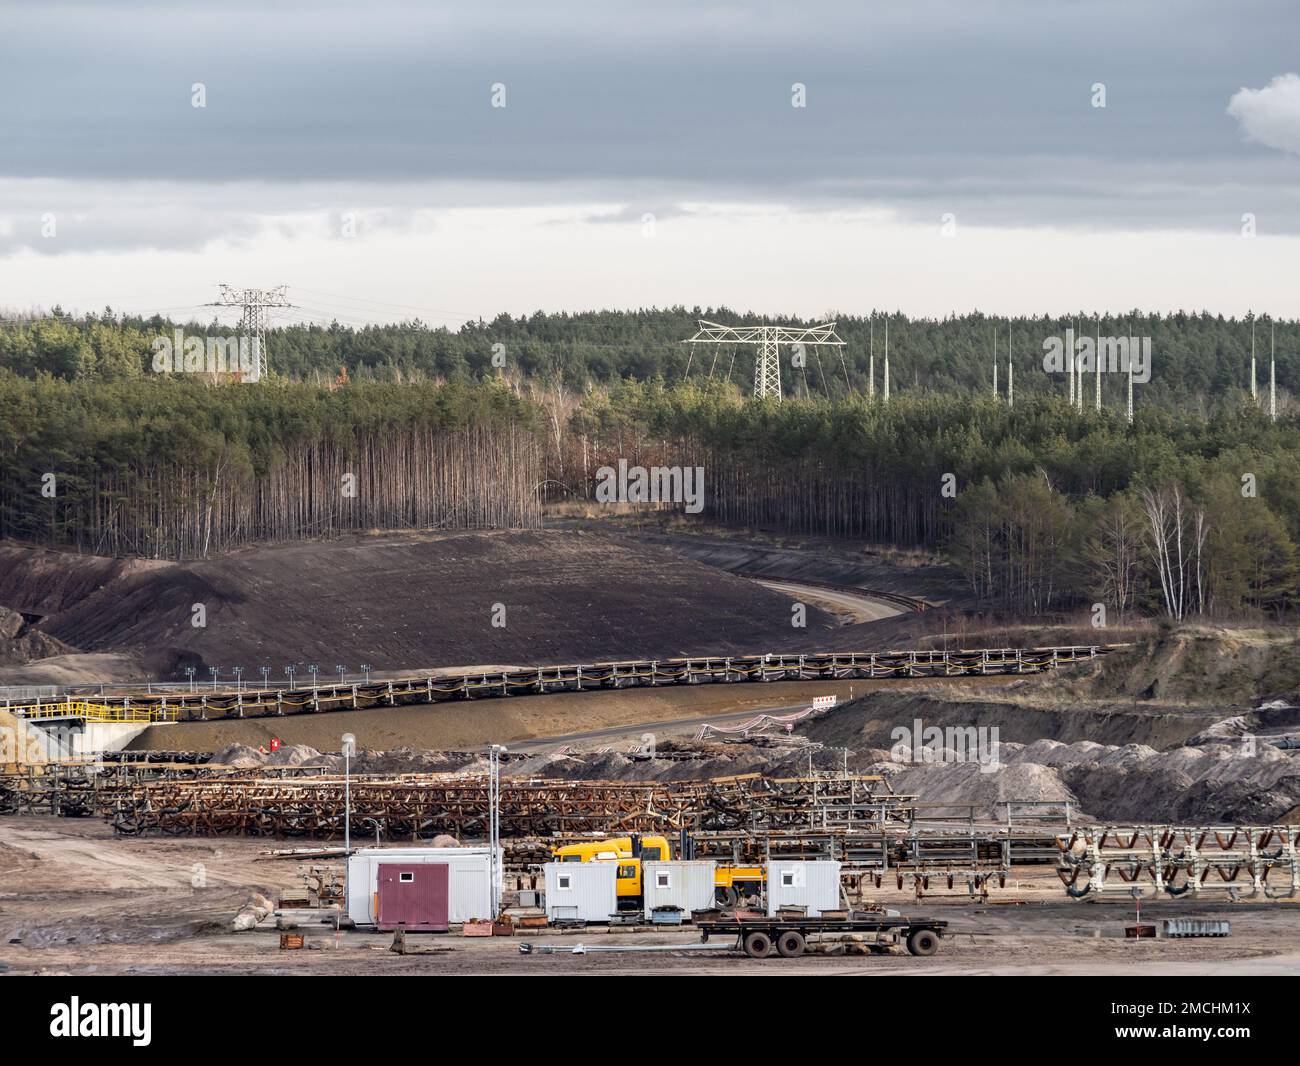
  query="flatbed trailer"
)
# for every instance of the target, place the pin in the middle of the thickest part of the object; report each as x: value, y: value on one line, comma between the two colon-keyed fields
x: 758, y: 937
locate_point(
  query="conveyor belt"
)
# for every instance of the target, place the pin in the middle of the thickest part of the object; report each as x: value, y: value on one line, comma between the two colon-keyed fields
x: 817, y: 666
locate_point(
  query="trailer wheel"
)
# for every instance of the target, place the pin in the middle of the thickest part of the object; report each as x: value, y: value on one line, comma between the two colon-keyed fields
x: 758, y: 945
x: 922, y: 942
x: 791, y: 944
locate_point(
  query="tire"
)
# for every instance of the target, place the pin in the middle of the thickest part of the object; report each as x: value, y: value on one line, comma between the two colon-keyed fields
x: 790, y: 944
x: 728, y: 896
x: 758, y: 945
x: 922, y: 942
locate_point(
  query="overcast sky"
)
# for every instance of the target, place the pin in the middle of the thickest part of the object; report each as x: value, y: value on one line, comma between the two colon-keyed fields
x: 649, y: 155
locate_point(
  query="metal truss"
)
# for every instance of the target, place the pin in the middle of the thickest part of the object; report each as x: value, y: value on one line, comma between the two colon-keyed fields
x: 767, y: 363
x: 819, y: 666
x: 1181, y: 861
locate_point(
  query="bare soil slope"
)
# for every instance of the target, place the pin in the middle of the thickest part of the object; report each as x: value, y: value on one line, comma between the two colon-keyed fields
x: 408, y: 601
x: 1197, y: 664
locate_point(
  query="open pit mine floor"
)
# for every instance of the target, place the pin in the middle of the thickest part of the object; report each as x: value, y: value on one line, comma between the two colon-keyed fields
x: 75, y: 899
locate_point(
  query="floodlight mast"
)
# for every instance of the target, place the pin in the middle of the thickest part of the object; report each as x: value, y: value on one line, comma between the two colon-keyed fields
x: 767, y: 363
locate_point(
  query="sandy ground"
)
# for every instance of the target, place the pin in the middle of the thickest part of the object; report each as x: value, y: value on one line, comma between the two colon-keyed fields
x: 74, y: 899
x: 461, y: 725
x: 848, y: 607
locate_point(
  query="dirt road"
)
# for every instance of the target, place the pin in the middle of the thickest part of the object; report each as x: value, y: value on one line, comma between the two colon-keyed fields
x: 848, y: 607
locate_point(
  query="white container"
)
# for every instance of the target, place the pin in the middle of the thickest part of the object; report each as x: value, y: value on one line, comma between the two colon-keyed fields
x: 796, y: 883
x: 469, y: 880
x: 581, y: 891
x: 684, y: 884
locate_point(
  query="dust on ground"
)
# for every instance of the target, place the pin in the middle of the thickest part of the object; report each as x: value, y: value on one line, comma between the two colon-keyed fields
x: 74, y: 899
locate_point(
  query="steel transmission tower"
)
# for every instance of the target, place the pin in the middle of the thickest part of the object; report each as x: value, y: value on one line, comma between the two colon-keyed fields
x: 255, y: 320
x: 767, y: 364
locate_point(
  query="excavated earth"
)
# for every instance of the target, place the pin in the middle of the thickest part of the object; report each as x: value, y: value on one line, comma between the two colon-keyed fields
x: 393, y: 601
x: 1179, y: 726
x: 1089, y: 740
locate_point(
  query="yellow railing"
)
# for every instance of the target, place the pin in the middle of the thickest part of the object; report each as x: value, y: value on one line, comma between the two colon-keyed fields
x: 93, y: 712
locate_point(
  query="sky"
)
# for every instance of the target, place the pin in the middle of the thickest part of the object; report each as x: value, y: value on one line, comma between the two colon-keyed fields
x: 455, y: 161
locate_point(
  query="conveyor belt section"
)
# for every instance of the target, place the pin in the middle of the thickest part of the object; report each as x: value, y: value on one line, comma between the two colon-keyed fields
x: 1238, y: 861
x: 420, y: 806
x: 820, y: 666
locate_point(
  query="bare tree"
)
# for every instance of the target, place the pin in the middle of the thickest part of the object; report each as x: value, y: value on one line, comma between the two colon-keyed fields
x: 1112, y: 552
x: 1171, y: 525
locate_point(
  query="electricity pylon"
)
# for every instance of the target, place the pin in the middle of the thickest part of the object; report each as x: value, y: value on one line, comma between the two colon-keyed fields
x: 767, y: 363
x: 254, y: 322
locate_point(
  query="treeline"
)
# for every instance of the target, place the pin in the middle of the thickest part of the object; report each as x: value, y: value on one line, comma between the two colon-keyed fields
x: 174, y: 468
x: 1040, y: 507
x: 1201, y: 362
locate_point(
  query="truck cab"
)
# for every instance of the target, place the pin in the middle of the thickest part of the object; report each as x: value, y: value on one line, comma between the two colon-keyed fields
x: 731, y: 883
x: 628, y: 852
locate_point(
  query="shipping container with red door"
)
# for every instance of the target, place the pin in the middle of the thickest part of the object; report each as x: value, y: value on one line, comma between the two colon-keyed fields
x: 413, y: 894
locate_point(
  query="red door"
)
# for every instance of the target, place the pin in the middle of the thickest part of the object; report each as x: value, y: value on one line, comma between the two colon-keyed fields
x: 414, y: 894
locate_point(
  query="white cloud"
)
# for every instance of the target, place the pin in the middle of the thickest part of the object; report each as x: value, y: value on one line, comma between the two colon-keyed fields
x: 1270, y: 116
x: 479, y: 261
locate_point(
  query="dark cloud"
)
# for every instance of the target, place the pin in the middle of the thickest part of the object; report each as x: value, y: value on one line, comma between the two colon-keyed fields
x: 979, y: 108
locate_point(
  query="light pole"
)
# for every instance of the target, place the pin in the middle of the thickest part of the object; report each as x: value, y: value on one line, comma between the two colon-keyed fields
x: 313, y: 670
x: 495, y: 751
x: 266, y: 676
x: 349, y: 748
x: 239, y: 679
x: 189, y: 670
x: 288, y: 672
x: 366, y: 668
x: 213, y: 671
x: 340, y: 668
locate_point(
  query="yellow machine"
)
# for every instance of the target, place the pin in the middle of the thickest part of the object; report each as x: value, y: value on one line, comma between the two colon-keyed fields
x: 731, y: 883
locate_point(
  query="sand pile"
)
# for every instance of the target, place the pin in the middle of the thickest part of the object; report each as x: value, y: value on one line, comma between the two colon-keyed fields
x: 984, y: 787
x: 238, y: 755
x: 1221, y: 782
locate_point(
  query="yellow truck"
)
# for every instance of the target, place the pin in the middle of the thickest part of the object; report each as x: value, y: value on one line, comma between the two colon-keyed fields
x: 731, y: 883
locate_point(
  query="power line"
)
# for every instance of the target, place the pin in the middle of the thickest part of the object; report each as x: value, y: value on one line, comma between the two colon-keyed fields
x: 384, y: 303
x: 254, y: 320
x: 767, y: 362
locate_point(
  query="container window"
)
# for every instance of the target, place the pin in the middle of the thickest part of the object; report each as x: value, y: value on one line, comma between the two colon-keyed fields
x: 663, y: 880
x: 565, y: 881
x: 787, y: 879
x: 406, y: 878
